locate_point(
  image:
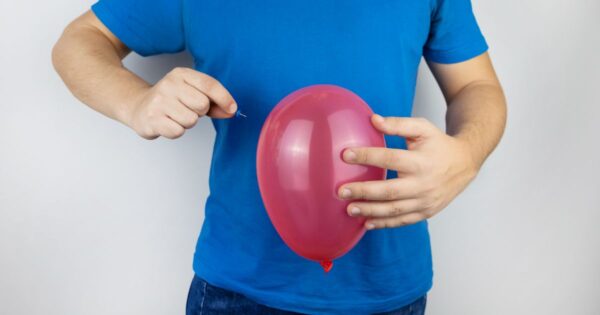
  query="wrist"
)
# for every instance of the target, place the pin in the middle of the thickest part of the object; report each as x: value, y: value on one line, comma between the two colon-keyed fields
x: 473, y: 154
x: 124, y: 112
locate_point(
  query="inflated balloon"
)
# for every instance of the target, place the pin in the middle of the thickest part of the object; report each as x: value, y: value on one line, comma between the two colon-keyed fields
x: 300, y: 169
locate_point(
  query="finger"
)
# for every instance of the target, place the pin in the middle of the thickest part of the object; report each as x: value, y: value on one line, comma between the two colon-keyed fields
x: 394, y: 159
x: 383, y: 208
x: 182, y: 115
x: 212, y: 88
x: 194, y: 99
x: 216, y: 112
x: 169, y: 128
x: 401, y: 220
x: 390, y: 189
x: 408, y: 127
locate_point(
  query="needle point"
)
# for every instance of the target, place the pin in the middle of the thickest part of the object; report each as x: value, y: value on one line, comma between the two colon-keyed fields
x: 239, y: 113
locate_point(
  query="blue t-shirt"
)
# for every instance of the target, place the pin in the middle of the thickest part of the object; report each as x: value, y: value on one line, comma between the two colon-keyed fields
x: 261, y: 51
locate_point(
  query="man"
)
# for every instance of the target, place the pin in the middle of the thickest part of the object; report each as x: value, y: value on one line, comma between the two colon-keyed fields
x: 250, y: 54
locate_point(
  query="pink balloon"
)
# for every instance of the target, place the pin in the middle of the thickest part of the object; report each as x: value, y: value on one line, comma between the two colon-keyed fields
x: 300, y: 169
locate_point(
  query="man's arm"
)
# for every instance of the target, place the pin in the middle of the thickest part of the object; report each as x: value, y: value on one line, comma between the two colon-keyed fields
x: 436, y: 166
x: 88, y: 58
x: 476, y: 103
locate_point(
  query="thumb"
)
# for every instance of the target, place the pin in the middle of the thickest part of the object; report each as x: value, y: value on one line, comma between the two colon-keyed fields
x: 218, y: 112
x: 407, y: 127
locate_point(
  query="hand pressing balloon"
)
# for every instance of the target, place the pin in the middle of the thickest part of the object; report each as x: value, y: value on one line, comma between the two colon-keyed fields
x: 433, y: 170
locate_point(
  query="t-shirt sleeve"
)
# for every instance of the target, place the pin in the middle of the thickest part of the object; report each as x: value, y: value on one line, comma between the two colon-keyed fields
x: 148, y: 27
x: 454, y: 35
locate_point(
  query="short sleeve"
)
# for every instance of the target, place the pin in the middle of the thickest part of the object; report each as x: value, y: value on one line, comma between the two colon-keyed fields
x: 454, y: 35
x: 148, y: 27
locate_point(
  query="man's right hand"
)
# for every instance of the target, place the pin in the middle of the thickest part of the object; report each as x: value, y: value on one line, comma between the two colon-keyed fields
x: 175, y: 103
x: 88, y: 57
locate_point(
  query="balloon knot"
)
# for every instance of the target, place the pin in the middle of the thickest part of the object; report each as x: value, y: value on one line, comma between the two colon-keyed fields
x: 327, y: 265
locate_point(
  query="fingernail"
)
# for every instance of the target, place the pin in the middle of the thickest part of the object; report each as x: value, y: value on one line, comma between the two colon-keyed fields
x: 349, y: 155
x: 346, y: 193
x: 232, y: 108
x: 370, y: 226
x: 378, y: 118
x: 354, y: 211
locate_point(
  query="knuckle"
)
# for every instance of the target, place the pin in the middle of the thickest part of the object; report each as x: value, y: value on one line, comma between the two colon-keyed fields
x: 158, y: 97
x: 203, y: 105
x: 429, y: 203
x: 147, y: 134
x: 167, y: 134
x: 362, y: 155
x: 358, y: 192
x: 151, y: 114
x: 393, y: 122
x: 407, y: 220
x: 424, y: 204
x: 395, y: 209
x: 210, y: 85
x: 389, y: 193
x: 187, y: 123
x: 174, y: 135
x: 390, y: 158
x: 366, y: 211
x: 366, y: 192
x: 178, y: 132
x: 174, y: 132
x: 191, y: 120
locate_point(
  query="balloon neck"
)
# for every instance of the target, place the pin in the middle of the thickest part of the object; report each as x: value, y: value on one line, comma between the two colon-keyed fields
x: 327, y: 265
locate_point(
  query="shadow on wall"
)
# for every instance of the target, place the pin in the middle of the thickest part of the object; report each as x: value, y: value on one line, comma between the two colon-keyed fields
x: 429, y: 102
x: 154, y: 68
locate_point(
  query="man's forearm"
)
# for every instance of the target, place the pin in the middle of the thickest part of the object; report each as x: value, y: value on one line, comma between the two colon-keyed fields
x: 88, y: 58
x: 477, y: 115
x: 91, y: 67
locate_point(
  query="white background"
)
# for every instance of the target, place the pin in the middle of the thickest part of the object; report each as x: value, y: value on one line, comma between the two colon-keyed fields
x: 95, y: 220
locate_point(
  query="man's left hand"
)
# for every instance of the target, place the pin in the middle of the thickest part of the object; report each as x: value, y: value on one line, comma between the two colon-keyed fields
x: 433, y: 170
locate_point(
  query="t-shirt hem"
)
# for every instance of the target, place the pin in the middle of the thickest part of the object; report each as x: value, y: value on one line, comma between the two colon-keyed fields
x: 457, y: 55
x: 299, y: 304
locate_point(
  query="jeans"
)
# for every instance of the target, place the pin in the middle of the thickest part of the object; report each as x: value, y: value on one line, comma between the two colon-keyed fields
x: 206, y: 299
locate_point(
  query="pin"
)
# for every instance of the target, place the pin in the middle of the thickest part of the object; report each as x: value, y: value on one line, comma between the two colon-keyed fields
x: 239, y: 114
